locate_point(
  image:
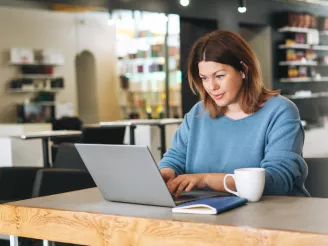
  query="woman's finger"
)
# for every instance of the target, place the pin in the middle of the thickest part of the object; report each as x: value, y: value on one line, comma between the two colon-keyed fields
x: 190, y: 186
x: 173, y: 184
x: 181, y: 187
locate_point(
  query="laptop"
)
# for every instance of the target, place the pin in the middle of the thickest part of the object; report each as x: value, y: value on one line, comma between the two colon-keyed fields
x: 129, y: 174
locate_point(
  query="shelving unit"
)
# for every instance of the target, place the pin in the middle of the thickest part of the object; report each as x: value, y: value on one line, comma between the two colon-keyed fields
x: 37, y: 82
x: 148, y: 59
x: 303, y: 65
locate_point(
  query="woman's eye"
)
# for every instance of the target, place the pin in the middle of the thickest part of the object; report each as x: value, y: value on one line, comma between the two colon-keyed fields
x: 219, y: 76
x: 203, y: 79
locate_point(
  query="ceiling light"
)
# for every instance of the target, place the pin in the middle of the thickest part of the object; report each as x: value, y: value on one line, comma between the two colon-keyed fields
x: 184, y: 3
x: 242, y: 6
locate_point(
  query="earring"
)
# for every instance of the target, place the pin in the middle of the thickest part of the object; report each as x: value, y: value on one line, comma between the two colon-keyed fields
x: 243, y: 75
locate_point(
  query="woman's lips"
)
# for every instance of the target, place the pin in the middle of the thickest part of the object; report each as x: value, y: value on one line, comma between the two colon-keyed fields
x: 218, y: 96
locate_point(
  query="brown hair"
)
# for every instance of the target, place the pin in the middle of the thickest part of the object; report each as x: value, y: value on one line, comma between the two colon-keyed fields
x: 231, y: 49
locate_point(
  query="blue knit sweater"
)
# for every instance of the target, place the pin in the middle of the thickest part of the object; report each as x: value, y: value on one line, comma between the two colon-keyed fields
x: 271, y: 138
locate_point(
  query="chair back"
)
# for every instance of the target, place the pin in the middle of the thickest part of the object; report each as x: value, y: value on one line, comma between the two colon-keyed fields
x: 68, y: 157
x: 103, y: 135
x: 51, y: 181
x: 317, y: 180
x: 16, y: 183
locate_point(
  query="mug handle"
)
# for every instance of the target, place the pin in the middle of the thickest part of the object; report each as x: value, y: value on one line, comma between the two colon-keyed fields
x: 225, y: 186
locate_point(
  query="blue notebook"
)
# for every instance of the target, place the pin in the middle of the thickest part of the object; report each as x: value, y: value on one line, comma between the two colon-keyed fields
x: 213, y: 205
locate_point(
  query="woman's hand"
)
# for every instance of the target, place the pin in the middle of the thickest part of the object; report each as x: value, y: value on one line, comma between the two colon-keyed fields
x: 168, y: 174
x: 186, y: 182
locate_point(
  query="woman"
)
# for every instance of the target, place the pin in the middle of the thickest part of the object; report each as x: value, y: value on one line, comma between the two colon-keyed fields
x: 237, y: 124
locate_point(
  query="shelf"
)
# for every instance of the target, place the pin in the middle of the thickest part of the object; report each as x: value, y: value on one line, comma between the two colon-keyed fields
x: 170, y: 71
x: 42, y: 103
x: 306, y: 79
x: 324, y: 33
x: 149, y: 60
x: 303, y: 46
x: 313, y: 95
x: 151, y: 105
x: 295, y: 29
x: 298, y: 63
x: 35, y: 64
x: 320, y: 47
x: 322, y: 79
x: 151, y: 39
x: 286, y: 80
x: 150, y: 91
x: 36, y: 76
x: 33, y: 90
x: 294, y: 46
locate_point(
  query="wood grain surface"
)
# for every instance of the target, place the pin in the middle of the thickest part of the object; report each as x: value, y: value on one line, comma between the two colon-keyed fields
x: 103, y: 229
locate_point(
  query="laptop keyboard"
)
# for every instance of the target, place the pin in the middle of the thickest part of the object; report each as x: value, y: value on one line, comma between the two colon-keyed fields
x: 186, y: 196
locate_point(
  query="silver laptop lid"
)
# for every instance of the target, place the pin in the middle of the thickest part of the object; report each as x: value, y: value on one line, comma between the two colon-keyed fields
x: 126, y: 173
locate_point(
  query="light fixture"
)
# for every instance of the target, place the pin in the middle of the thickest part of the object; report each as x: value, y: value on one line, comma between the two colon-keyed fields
x: 242, y: 6
x: 184, y: 3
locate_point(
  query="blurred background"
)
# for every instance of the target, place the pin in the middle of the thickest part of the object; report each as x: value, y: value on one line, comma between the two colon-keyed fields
x: 93, y: 68
x: 125, y: 59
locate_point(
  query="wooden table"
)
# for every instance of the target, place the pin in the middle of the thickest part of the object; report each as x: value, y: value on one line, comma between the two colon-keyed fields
x: 83, y: 217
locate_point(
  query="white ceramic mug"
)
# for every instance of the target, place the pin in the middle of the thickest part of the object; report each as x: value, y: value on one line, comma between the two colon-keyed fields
x: 249, y: 183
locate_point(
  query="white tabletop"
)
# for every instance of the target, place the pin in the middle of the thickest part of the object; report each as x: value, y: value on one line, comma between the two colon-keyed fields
x: 167, y: 121
x: 45, y: 134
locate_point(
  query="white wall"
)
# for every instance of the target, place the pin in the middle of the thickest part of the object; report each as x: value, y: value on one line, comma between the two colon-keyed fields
x: 70, y: 33
x: 96, y: 36
x: 260, y: 41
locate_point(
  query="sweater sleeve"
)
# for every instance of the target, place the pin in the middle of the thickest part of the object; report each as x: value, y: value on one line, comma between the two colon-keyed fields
x: 175, y: 157
x: 283, y: 162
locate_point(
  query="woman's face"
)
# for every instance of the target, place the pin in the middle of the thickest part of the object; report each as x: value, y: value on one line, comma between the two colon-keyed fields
x: 222, y: 82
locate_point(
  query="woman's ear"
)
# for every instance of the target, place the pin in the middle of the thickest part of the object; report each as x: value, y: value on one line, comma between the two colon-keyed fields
x: 245, y: 68
x: 242, y: 74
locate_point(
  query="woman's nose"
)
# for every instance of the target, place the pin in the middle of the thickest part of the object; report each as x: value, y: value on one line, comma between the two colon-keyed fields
x: 214, y: 85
